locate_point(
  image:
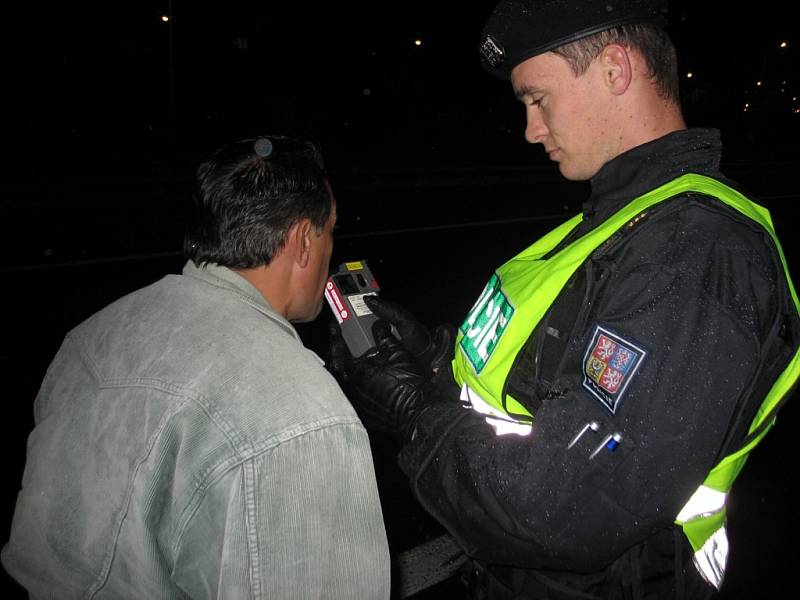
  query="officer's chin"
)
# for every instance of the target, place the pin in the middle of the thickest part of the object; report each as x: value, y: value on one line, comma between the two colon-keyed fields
x: 573, y: 175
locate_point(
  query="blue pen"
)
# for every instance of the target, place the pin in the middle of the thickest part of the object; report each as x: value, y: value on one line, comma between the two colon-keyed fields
x: 611, y: 442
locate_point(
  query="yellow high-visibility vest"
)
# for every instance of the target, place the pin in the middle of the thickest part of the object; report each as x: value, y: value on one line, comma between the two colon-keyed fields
x: 521, y: 292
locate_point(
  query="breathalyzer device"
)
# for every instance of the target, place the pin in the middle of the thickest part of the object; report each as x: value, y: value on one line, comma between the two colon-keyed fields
x: 345, y: 291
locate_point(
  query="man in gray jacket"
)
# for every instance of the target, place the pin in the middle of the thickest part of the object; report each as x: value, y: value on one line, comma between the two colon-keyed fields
x: 186, y: 443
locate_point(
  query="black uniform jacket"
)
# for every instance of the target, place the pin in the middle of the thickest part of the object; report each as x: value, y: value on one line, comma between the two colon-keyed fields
x: 694, y: 286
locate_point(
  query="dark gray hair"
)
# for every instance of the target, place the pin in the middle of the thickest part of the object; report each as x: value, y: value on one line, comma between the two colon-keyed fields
x: 248, y: 195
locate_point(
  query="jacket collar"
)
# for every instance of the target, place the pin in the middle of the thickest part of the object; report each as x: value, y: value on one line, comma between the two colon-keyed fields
x: 651, y: 165
x: 226, y: 278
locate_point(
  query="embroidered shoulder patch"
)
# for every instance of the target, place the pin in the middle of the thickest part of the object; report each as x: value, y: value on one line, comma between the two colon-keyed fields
x: 609, y: 365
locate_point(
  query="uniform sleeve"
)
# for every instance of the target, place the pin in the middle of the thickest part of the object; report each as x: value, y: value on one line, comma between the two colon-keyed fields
x: 301, y: 519
x: 693, y: 297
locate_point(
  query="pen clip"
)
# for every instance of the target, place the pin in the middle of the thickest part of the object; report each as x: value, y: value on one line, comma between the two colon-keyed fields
x: 593, y: 425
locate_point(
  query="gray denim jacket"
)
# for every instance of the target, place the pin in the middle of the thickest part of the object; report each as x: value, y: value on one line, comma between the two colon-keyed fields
x: 187, y: 445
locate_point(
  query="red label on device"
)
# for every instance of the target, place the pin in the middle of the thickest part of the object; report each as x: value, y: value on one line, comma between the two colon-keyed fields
x: 334, y: 298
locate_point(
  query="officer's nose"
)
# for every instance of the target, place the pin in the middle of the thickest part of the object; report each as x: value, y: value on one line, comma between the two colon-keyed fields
x: 535, y: 129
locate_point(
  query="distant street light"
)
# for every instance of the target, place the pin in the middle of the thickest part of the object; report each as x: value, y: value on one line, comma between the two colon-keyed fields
x: 167, y: 18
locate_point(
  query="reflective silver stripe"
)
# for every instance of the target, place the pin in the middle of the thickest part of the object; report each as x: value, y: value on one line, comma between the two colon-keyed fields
x: 712, y: 558
x: 705, y: 501
x: 502, y: 423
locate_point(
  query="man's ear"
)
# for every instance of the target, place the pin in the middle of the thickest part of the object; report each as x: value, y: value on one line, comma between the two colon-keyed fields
x: 299, y: 241
x: 615, y: 62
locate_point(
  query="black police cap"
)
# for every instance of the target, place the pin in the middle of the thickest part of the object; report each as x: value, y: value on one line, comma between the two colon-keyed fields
x: 520, y: 29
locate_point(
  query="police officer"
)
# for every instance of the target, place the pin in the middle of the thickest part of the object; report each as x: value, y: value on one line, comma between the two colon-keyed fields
x: 608, y: 382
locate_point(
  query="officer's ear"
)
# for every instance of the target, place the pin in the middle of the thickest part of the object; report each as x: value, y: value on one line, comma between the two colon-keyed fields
x: 616, y: 68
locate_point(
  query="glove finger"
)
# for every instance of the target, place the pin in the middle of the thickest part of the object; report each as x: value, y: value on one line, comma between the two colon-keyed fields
x: 390, y: 351
x: 442, y: 347
x: 386, y: 309
x: 338, y: 347
x: 413, y: 334
x: 382, y: 332
x: 334, y: 329
x: 339, y: 357
x: 335, y: 338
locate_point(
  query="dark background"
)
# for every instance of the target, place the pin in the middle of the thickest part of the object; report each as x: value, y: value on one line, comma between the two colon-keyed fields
x: 107, y: 90
x: 109, y: 109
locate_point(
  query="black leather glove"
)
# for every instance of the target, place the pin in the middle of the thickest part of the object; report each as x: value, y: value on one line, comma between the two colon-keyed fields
x: 387, y: 387
x: 431, y: 349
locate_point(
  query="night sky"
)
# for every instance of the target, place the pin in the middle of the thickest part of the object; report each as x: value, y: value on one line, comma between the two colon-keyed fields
x: 109, y: 90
